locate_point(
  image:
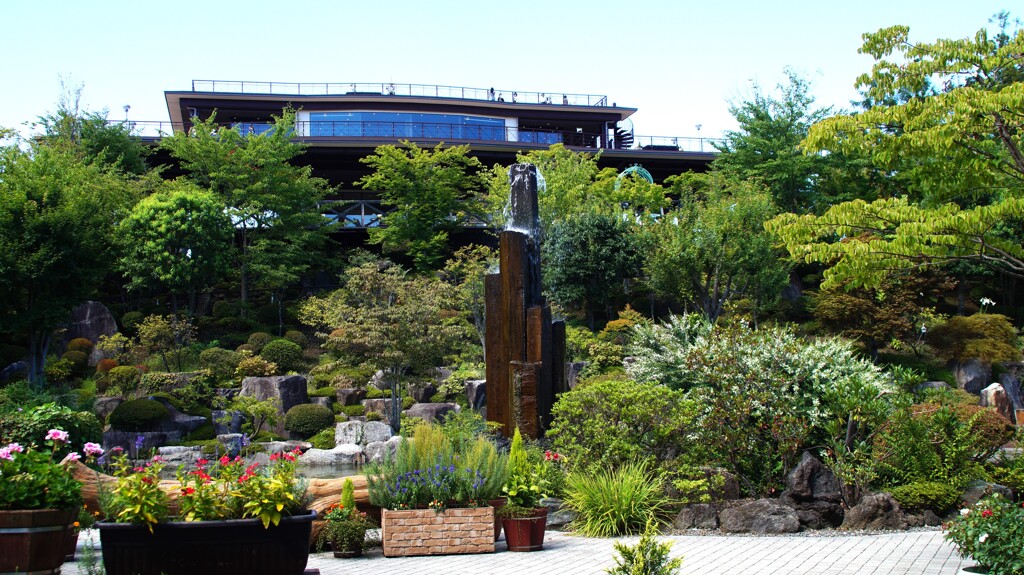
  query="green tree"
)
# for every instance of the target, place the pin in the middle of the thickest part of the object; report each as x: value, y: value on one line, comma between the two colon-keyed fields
x: 588, y: 258
x: 467, y: 270
x: 429, y: 193
x: 178, y: 238
x: 167, y: 334
x: 57, y: 214
x: 713, y: 249
x: 961, y: 142
x: 273, y: 203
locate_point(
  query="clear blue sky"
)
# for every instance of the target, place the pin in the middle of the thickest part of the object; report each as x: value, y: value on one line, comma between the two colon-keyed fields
x: 680, y: 62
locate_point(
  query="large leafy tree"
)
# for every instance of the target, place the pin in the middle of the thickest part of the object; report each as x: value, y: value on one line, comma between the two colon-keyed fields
x: 963, y: 142
x: 273, y: 202
x: 429, y: 193
x: 178, y: 238
x: 57, y: 217
x: 713, y: 248
x: 588, y: 258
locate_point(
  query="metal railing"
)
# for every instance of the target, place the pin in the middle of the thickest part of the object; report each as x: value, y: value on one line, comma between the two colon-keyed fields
x: 392, y: 89
x: 675, y: 143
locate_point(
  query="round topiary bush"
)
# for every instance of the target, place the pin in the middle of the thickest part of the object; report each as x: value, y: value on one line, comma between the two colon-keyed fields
x: 123, y: 379
x: 296, y: 337
x: 353, y: 410
x: 222, y: 363
x: 106, y: 364
x: 921, y: 495
x: 245, y: 347
x: 79, y: 360
x: 131, y: 320
x: 80, y: 344
x: 324, y: 439
x: 308, y: 419
x: 286, y: 354
x: 374, y: 393
x: 138, y: 415
x: 259, y: 339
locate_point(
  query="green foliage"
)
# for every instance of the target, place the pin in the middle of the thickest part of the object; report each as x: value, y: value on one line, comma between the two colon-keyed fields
x: 324, y: 392
x: 80, y: 344
x: 286, y: 354
x: 258, y: 339
x: 78, y: 359
x: 32, y: 480
x: 374, y: 393
x: 307, y: 419
x: 988, y: 337
x: 374, y: 416
x: 407, y: 402
x: 204, y: 432
x: 610, y: 503
x: 324, y: 439
x: 30, y: 425
x: 123, y: 380
x: 168, y: 336
x: 990, y: 533
x: 713, y: 249
x: 130, y: 321
x: 138, y: 415
x: 354, y: 410
x: 587, y: 259
x: 296, y: 337
x: 258, y: 414
x: 647, y: 557
x: 611, y: 421
x: 222, y: 363
x: 253, y: 366
x: 59, y: 371
x: 430, y: 193
x: 524, y: 486
x: 921, y: 495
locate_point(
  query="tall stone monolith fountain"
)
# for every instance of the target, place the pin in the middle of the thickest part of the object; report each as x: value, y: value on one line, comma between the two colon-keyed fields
x: 525, y: 350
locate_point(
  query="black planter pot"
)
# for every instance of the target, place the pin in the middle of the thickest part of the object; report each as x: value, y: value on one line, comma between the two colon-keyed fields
x: 186, y: 548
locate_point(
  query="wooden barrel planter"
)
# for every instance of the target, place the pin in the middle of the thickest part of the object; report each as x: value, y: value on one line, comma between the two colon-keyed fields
x: 526, y: 533
x: 34, y: 541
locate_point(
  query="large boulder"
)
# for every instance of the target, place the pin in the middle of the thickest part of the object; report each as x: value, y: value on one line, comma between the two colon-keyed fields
x: 340, y: 455
x: 815, y: 493
x: 104, y: 406
x: 764, y: 516
x: 289, y: 390
x: 227, y: 421
x: 381, y: 407
x: 697, y: 516
x: 179, y: 423
x: 979, y: 489
x: 90, y: 320
x: 374, y: 431
x: 877, y: 511
x: 377, y: 451
x: 573, y: 369
x: 995, y: 396
x: 421, y: 391
x: 350, y: 396
x: 476, y: 393
x: 348, y: 433
x: 431, y: 412
x: 1011, y: 385
x: 13, y: 371
x: 972, y: 375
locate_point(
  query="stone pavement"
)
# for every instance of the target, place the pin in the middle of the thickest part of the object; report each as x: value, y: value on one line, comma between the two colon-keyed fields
x: 819, y: 553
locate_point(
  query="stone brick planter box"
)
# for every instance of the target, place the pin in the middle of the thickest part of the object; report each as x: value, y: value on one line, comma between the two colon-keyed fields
x: 427, y: 532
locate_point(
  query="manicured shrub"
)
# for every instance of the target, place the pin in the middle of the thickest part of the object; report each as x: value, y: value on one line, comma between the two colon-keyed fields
x: 296, y: 337
x: 246, y: 348
x: 408, y: 402
x: 59, y: 370
x: 374, y: 393
x: 131, y: 320
x: 138, y: 415
x: 308, y: 419
x: 80, y: 344
x: 226, y: 309
x: 286, y: 354
x: 254, y: 366
x: 104, y: 365
x: 324, y: 439
x: 79, y: 361
x: 647, y: 557
x: 259, y: 339
x: 374, y: 416
x: 353, y: 410
x: 222, y: 363
x: 324, y: 392
x: 988, y: 337
x: 123, y: 380
x: 921, y: 495
x: 610, y: 503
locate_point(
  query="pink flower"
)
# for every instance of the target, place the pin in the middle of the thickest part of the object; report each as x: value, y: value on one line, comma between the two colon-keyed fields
x: 73, y: 456
x: 5, y: 453
x: 57, y: 435
x: 92, y: 449
x: 15, y: 448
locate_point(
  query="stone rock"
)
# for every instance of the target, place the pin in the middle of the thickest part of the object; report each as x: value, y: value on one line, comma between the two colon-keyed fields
x: 104, y: 406
x: 272, y: 447
x: 430, y: 412
x: 697, y: 516
x: 476, y: 393
x: 380, y: 381
x: 815, y: 493
x: 178, y: 422
x: 350, y: 396
x: 931, y: 519
x: 375, y: 451
x: 381, y: 406
x: 227, y: 421
x: 1011, y: 385
x: 441, y: 374
x: 13, y: 371
x: 90, y: 320
x: 722, y: 485
x: 996, y: 397
x: 340, y: 455
x: 324, y: 401
x: 978, y: 489
x: 131, y: 443
x: 972, y: 376
x: 290, y: 390
x: 228, y: 393
x: 348, y: 433
x: 931, y: 385
x: 421, y: 391
x: 877, y: 511
x: 232, y: 442
x: 559, y: 515
x: 179, y: 454
x: 572, y: 372
x: 374, y: 431
x: 761, y: 517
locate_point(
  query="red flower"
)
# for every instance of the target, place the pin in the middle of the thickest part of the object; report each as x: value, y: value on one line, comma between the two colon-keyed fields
x: 224, y: 460
x: 986, y: 513
x: 187, y: 490
x: 202, y: 462
x: 275, y: 456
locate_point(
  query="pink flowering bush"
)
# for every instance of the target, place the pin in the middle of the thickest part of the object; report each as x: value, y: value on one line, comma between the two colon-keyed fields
x: 31, y: 479
x: 991, y: 532
x: 223, y: 489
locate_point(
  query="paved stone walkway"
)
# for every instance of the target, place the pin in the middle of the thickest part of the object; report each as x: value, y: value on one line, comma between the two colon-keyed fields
x: 897, y: 553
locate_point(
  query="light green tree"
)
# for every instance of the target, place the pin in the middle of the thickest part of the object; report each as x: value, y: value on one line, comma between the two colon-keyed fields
x: 179, y: 238
x: 429, y: 193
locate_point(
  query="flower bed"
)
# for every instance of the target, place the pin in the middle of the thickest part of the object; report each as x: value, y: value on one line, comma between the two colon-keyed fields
x: 430, y: 532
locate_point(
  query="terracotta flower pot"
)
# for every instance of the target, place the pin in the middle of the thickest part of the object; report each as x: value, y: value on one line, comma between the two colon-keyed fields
x: 526, y: 533
x: 34, y: 540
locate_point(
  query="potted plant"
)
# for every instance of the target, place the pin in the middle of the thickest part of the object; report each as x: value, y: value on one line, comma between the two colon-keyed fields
x: 524, y: 519
x: 345, y: 526
x: 39, y: 501
x: 232, y: 518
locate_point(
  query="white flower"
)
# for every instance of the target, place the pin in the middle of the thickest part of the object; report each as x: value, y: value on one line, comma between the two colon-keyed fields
x: 986, y: 301
x: 965, y: 512
x: 983, y: 537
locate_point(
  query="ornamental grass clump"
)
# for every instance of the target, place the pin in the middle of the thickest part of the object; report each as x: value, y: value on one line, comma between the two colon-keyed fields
x: 613, y: 503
